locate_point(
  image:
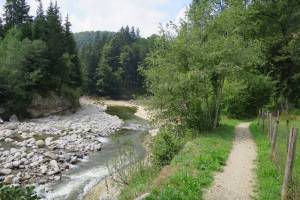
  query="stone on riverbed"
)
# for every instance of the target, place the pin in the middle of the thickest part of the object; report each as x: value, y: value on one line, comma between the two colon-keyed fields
x: 14, y: 118
x: 44, y: 169
x: 48, y: 141
x: 54, y: 165
x: 11, y: 126
x: 5, y: 171
x: 40, y: 143
x: 51, y: 155
x: 8, y: 180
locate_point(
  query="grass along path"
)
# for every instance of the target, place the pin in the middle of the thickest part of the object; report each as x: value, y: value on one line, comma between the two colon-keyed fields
x: 190, y: 172
x: 238, y: 179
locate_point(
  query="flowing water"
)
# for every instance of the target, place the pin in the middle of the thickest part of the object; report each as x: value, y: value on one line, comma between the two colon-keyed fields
x: 80, y: 179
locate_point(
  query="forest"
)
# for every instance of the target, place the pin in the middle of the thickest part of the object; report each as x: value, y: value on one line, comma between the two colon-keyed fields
x: 111, y: 61
x: 38, y: 55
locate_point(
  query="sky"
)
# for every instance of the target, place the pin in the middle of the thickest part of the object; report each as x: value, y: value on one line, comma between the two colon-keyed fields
x: 110, y: 15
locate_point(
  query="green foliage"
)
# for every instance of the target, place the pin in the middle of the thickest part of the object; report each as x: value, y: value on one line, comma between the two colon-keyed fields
x: 36, y: 57
x: 196, y: 164
x: 276, y: 25
x: 190, y: 171
x: 139, y: 182
x: 186, y: 74
x: 269, y: 180
x: 243, y: 99
x: 17, y: 193
x: 22, y: 68
x: 124, y: 113
x: 165, y: 146
x: 111, y: 61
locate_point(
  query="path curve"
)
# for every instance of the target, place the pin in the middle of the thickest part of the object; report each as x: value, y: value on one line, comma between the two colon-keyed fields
x: 237, y: 181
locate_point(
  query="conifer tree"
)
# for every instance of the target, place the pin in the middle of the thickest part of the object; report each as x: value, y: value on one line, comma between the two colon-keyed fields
x: 39, y: 24
x: 55, y: 43
x: 71, y: 50
x: 1, y: 28
x: 23, y: 12
x: 10, y: 16
x: 16, y: 13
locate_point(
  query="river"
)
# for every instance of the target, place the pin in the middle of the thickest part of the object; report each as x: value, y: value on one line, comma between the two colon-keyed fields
x: 75, y: 183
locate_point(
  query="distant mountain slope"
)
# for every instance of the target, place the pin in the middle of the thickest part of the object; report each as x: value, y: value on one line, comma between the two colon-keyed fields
x: 89, y: 37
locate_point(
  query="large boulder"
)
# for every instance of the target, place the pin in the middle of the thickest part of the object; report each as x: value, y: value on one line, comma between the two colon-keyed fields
x: 14, y: 118
x: 12, y: 126
x: 5, y: 171
x: 42, y: 106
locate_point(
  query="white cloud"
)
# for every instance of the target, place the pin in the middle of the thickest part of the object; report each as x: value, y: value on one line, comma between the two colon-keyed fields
x: 112, y: 14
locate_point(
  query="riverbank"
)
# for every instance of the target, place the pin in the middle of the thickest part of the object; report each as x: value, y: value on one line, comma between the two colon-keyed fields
x: 39, y: 151
x: 107, y: 188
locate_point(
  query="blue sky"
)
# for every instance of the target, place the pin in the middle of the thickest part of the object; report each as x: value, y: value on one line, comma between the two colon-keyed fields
x: 112, y: 14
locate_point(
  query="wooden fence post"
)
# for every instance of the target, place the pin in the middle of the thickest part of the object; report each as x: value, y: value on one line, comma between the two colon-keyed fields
x: 289, y: 164
x: 259, y: 116
x: 274, y: 138
x: 288, y: 136
x: 270, y: 126
x: 263, y: 121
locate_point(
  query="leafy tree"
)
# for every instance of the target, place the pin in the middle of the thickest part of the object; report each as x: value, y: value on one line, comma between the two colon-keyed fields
x: 186, y: 73
x: 276, y: 25
x: 22, y: 69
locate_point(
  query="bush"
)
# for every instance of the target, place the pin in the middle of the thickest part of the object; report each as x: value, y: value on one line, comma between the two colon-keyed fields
x: 165, y: 146
x: 17, y: 193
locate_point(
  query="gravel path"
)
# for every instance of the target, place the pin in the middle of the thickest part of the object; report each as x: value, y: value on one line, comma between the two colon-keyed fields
x: 237, y: 180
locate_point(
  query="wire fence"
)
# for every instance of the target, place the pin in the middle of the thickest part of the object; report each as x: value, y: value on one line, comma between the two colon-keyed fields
x: 281, y: 130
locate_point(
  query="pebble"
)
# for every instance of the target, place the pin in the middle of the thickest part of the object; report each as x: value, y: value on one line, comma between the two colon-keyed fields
x: 40, y: 143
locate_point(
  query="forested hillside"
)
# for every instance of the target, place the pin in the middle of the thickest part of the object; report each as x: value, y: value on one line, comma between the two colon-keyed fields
x: 38, y: 55
x: 111, y: 61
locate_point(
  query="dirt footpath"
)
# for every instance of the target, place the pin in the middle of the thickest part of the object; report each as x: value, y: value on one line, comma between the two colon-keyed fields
x: 237, y: 181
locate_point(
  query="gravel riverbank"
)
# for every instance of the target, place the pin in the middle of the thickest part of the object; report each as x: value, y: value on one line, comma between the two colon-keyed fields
x: 38, y: 151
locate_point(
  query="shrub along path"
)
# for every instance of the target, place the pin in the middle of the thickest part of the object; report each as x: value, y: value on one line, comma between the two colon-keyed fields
x: 237, y: 181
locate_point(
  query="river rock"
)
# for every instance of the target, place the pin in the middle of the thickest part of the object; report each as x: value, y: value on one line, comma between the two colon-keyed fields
x: 57, y: 178
x: 40, y: 143
x: 51, y: 155
x: 14, y: 118
x: 44, y: 169
x: 16, y: 164
x: 5, y: 171
x: 54, y: 165
x: 8, y: 179
x: 48, y: 141
x: 8, y: 165
x: 8, y: 140
x: 11, y: 126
